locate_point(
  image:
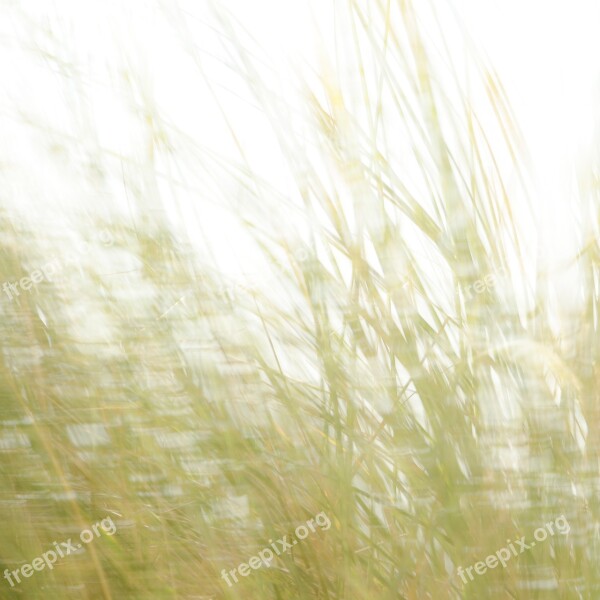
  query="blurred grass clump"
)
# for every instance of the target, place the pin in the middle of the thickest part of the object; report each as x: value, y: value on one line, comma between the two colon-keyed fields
x: 368, y: 373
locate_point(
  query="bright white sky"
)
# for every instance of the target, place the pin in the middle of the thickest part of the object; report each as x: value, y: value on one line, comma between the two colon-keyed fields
x: 547, y: 53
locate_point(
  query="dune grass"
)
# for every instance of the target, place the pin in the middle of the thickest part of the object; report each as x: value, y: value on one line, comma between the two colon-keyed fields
x: 397, y: 367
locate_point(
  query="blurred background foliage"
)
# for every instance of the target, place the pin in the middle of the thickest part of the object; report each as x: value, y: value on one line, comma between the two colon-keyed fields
x: 367, y: 372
